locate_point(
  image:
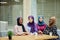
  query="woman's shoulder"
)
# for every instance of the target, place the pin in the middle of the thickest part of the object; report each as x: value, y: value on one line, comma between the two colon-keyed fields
x: 47, y: 26
x: 54, y: 27
x: 36, y: 24
x: 16, y: 26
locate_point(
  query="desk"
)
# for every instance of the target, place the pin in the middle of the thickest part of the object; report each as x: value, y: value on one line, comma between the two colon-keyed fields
x: 30, y: 37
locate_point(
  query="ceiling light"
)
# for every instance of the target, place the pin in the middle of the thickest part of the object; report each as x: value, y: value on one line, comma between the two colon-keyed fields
x: 16, y: 0
x: 3, y: 2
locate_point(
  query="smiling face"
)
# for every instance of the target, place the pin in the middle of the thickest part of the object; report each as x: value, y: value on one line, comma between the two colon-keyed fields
x: 30, y: 20
x: 52, y: 21
x: 40, y: 19
x: 20, y: 20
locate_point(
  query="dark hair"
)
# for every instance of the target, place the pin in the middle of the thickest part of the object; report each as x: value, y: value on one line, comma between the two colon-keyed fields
x: 20, y: 24
x: 18, y: 20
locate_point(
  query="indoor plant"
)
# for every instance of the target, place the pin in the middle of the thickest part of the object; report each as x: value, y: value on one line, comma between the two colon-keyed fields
x: 10, y: 33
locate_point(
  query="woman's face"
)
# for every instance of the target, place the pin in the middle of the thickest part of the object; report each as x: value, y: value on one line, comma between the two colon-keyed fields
x: 30, y: 20
x: 40, y: 19
x: 20, y: 20
x: 50, y: 21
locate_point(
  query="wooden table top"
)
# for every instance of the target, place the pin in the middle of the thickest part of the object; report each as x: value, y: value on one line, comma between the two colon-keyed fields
x: 30, y: 37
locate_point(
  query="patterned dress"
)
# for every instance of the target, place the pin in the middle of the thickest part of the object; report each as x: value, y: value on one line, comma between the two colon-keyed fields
x: 52, y: 29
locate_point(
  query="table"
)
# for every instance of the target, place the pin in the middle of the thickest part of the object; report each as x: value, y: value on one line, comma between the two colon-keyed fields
x: 30, y: 37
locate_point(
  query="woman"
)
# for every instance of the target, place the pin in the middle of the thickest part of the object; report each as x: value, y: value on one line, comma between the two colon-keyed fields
x: 31, y: 25
x: 19, y: 28
x: 41, y: 24
x: 51, y: 29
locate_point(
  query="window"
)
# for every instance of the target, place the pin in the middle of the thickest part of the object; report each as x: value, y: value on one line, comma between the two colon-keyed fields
x: 49, y: 8
x: 10, y: 11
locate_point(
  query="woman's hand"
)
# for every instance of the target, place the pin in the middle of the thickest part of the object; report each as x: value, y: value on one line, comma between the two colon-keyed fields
x: 40, y: 32
x: 17, y: 34
x: 25, y: 33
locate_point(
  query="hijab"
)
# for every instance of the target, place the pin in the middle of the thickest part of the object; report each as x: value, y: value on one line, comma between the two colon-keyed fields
x: 39, y: 22
x: 18, y: 19
x: 32, y: 25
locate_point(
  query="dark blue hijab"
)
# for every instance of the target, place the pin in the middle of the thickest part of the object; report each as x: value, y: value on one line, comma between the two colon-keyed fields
x: 41, y: 23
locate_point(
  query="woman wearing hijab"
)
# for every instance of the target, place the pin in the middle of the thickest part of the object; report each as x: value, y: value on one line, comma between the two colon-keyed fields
x: 51, y: 29
x: 31, y: 25
x: 19, y: 28
x: 41, y: 24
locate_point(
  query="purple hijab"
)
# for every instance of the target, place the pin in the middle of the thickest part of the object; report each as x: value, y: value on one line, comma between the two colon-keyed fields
x: 32, y: 25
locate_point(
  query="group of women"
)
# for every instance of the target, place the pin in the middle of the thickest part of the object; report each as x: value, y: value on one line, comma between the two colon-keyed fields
x: 31, y: 28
